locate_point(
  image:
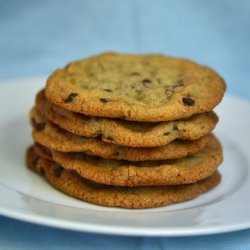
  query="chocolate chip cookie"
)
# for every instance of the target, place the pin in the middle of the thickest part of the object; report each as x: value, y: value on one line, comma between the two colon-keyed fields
x: 149, y: 88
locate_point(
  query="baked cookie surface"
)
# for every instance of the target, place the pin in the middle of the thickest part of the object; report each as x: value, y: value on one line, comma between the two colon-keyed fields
x: 136, y: 87
x: 140, y: 197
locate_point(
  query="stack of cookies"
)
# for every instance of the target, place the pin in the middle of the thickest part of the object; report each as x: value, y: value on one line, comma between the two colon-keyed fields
x: 128, y: 131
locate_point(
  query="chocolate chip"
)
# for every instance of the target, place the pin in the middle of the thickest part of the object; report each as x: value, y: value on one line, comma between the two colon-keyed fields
x: 58, y: 171
x: 35, y: 161
x: 104, y: 100
x: 135, y: 74
x: 188, y: 101
x: 146, y: 82
x: 166, y: 133
x: 175, y: 127
x: 99, y: 137
x: 108, y: 90
x: 38, y: 126
x: 71, y: 97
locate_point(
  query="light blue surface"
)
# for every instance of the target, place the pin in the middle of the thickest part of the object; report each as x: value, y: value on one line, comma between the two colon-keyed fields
x: 38, y: 36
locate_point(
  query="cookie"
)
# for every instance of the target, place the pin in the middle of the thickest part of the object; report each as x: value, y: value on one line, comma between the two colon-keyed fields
x: 42, y: 151
x: 185, y: 170
x: 127, y: 133
x: 55, y: 138
x: 140, y: 197
x: 149, y: 88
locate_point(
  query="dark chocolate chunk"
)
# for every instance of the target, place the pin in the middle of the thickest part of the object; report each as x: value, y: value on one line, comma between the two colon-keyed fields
x: 104, y: 100
x: 175, y: 127
x: 108, y: 90
x: 71, y: 97
x: 188, y: 101
x: 58, y: 171
x: 99, y: 137
x: 35, y: 161
x: 146, y: 82
x: 38, y: 126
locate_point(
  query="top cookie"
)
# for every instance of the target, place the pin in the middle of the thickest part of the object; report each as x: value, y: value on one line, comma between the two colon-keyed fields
x: 136, y: 87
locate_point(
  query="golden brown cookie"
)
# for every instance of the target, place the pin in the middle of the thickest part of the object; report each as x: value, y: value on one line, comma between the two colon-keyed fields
x: 140, y: 197
x: 55, y: 138
x: 185, y: 170
x: 136, y: 87
x: 127, y: 133
x: 42, y: 151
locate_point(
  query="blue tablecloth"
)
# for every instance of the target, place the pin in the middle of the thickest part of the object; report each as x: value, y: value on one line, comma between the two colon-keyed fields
x: 37, y: 37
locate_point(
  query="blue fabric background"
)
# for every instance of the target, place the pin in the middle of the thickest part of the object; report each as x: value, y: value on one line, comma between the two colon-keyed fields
x: 37, y: 37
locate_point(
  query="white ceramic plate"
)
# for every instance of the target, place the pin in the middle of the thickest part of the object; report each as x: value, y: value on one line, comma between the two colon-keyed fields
x: 26, y: 196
